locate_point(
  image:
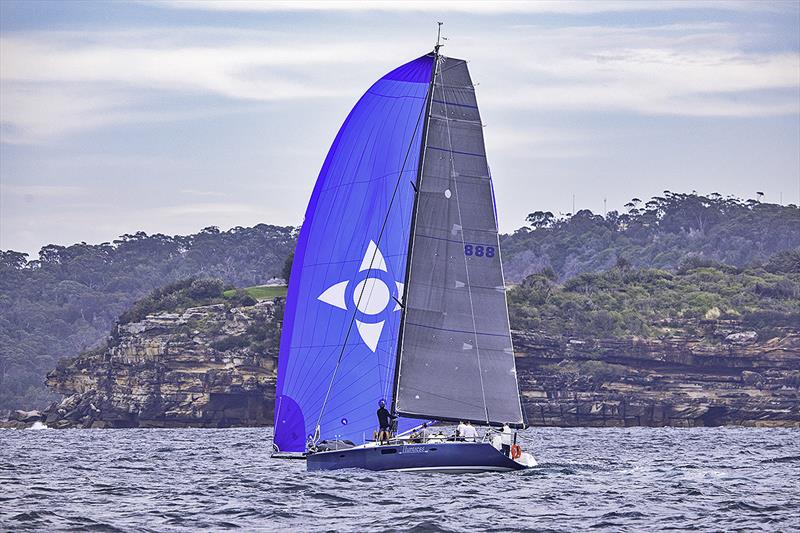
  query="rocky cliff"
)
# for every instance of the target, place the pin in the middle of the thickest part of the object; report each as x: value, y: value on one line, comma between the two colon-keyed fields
x: 214, y: 366
x: 209, y: 366
x: 675, y: 381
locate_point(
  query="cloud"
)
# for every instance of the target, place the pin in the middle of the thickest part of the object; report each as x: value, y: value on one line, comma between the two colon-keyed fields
x: 54, y: 83
x: 30, y: 192
x: 579, y: 7
x: 659, y: 81
x: 540, y: 142
x: 237, y: 71
x: 694, y: 70
x: 207, y: 208
x: 34, y: 111
x: 197, y: 192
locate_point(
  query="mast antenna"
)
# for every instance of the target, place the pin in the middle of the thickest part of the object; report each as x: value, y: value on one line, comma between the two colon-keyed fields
x: 438, y: 38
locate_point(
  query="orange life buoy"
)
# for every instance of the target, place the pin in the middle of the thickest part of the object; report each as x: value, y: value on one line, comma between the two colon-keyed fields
x: 516, y: 451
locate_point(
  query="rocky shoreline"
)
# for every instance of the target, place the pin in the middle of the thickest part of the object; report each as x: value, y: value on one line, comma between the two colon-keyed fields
x: 209, y: 366
x: 666, y: 382
x: 215, y: 366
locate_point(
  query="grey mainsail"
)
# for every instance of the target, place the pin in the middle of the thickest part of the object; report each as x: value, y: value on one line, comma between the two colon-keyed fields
x: 455, y: 358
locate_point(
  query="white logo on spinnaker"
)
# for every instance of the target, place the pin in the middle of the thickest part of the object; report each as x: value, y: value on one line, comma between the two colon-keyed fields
x: 371, y: 296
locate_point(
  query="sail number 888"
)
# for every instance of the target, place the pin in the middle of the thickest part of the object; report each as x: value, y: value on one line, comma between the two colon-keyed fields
x: 478, y: 250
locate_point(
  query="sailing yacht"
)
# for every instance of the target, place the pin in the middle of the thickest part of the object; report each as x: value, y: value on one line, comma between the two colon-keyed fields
x: 397, y: 291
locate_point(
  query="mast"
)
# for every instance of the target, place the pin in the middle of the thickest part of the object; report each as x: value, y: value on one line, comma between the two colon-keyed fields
x: 420, y: 165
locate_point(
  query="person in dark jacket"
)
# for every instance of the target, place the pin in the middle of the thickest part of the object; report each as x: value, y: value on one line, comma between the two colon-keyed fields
x: 385, y: 419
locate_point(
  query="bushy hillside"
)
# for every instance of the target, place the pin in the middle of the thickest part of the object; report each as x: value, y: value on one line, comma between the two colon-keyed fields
x: 67, y: 300
x: 623, y: 301
x: 659, y: 233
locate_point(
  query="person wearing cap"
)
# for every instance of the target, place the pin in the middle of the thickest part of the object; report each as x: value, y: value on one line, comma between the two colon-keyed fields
x: 384, y: 423
x: 424, y: 432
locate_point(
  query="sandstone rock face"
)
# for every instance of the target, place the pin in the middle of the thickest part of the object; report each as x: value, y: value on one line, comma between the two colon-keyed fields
x: 26, y: 416
x: 666, y: 382
x: 7, y: 422
x: 745, y: 337
x: 208, y: 366
x: 215, y: 367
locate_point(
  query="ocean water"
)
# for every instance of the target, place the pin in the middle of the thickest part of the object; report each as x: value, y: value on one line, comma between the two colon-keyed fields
x: 630, y: 479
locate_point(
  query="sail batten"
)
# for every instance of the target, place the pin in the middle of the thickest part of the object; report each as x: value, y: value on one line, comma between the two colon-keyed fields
x: 456, y: 360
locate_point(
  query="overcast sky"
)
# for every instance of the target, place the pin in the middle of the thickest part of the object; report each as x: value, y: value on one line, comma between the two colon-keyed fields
x: 172, y: 116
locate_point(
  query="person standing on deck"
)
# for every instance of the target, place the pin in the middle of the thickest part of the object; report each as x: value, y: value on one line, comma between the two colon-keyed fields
x: 462, y: 427
x: 506, y: 440
x: 424, y: 433
x: 470, y: 433
x: 384, y: 423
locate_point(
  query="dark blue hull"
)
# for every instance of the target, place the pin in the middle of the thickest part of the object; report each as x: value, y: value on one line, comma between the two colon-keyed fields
x: 458, y: 457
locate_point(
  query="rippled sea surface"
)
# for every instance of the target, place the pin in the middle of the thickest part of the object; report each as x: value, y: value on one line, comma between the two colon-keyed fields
x: 614, y: 479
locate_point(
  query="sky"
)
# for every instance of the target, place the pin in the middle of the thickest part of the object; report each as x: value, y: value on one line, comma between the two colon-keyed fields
x: 171, y: 116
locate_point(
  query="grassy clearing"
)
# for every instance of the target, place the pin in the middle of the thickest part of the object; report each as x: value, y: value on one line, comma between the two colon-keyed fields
x: 260, y: 293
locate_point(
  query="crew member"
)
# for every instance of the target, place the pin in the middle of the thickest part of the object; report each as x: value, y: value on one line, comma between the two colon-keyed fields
x: 506, y: 440
x: 424, y: 433
x: 384, y: 423
x: 462, y: 427
x: 470, y: 433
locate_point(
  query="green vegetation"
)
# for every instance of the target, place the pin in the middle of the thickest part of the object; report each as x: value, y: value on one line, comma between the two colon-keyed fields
x: 67, y: 300
x: 191, y: 292
x: 599, y: 371
x: 286, y: 272
x: 650, y: 302
x: 260, y: 337
x: 260, y: 292
x: 660, y: 233
x: 181, y: 295
x: 663, y: 258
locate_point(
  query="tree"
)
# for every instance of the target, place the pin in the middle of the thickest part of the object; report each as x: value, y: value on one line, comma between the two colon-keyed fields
x: 205, y: 288
x: 540, y: 219
x: 787, y: 262
x: 660, y: 232
x: 13, y: 260
x: 287, y: 267
x: 69, y: 298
